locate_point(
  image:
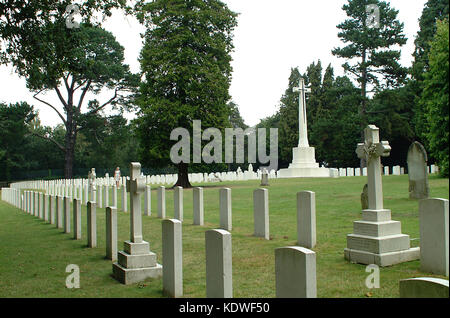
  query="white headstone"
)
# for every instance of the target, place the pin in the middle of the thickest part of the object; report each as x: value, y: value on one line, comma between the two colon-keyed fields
x: 172, y: 255
x: 198, y: 206
x: 434, y: 248
x: 225, y: 209
x: 178, y: 203
x: 295, y: 272
x: 92, y: 224
x: 424, y: 287
x: 417, y: 171
x: 219, y: 278
x: 306, y: 219
x: 261, y: 213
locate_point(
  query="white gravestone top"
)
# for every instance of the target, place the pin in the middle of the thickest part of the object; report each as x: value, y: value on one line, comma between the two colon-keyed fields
x: 91, y: 177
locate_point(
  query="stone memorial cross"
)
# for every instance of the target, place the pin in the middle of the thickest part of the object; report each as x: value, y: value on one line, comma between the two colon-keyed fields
x: 302, y: 126
x: 371, y: 150
x: 136, y: 186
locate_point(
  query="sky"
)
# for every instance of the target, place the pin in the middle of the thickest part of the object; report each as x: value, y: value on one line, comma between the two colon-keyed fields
x: 271, y: 38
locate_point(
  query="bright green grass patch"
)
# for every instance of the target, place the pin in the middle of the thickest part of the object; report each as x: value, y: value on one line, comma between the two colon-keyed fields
x: 34, y: 254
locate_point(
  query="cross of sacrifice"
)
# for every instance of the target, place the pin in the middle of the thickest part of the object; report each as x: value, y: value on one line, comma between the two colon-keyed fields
x: 371, y: 150
x: 302, y: 126
x: 135, y: 186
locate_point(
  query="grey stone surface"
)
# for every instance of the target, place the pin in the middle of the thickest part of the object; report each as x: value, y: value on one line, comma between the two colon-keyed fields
x: 178, y: 203
x: 66, y: 221
x: 434, y: 232
x: 148, y: 201
x: 365, y: 198
x: 111, y: 233
x: 225, y: 209
x: 261, y: 213
x: 417, y: 171
x: 124, y: 200
x: 198, y: 206
x: 59, y: 212
x: 91, y: 224
x: 295, y: 272
x: 219, y: 279
x: 306, y: 219
x: 161, y: 202
x: 77, y: 219
x: 424, y: 287
x: 172, y: 255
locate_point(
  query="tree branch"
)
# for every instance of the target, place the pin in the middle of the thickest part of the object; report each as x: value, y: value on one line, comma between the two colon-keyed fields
x: 80, y: 102
x: 49, y: 105
x: 49, y: 139
x: 61, y: 97
x: 95, y: 110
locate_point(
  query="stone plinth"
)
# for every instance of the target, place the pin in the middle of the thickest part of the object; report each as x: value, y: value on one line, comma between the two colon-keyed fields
x: 136, y: 263
x: 304, y: 165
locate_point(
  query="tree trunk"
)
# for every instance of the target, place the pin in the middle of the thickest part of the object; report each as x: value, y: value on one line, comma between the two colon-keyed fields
x: 183, y: 178
x: 70, y: 140
x: 363, y: 109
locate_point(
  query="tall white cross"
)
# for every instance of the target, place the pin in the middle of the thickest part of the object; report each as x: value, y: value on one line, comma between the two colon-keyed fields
x: 302, y: 126
x: 136, y: 186
x: 371, y: 150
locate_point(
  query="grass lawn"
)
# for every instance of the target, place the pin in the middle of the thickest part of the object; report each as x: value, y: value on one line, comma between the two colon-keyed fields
x: 34, y: 254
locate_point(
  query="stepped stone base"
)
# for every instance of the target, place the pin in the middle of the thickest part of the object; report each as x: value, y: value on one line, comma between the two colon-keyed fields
x: 385, y: 259
x: 304, y: 165
x: 136, y: 263
x: 378, y: 240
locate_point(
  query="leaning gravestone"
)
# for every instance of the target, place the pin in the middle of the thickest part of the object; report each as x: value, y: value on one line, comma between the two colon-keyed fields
x: 365, y: 198
x: 377, y: 239
x: 417, y: 171
x: 136, y: 262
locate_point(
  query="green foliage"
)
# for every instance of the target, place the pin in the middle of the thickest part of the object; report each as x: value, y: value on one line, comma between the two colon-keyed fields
x: 433, y: 11
x: 377, y: 62
x: 434, y: 100
x: 14, y: 122
x: 333, y: 122
x: 186, y: 64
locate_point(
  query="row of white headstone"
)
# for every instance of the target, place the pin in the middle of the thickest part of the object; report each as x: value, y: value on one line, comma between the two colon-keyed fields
x: 71, y: 186
x: 292, y: 263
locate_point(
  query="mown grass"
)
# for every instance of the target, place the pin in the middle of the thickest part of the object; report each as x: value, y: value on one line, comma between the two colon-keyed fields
x: 34, y: 254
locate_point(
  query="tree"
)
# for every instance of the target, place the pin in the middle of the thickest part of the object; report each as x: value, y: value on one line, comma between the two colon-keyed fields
x: 371, y: 46
x: 433, y: 11
x: 185, y: 64
x: 14, y: 121
x: 435, y: 99
x: 53, y: 57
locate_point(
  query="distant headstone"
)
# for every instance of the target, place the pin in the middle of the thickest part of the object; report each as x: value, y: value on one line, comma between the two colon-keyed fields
x: 264, y: 178
x: 261, y: 213
x: 161, y: 202
x: 306, y: 219
x: 365, y: 198
x: 198, y: 206
x: 417, y: 171
x: 424, y: 287
x: 225, y: 209
x: 92, y: 224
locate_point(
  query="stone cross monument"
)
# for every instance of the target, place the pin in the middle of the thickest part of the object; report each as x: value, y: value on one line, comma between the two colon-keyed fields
x: 136, y: 262
x: 377, y: 239
x: 303, y: 157
x: 302, y: 119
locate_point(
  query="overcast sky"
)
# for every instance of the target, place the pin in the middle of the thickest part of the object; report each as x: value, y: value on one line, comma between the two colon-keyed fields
x: 271, y: 38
